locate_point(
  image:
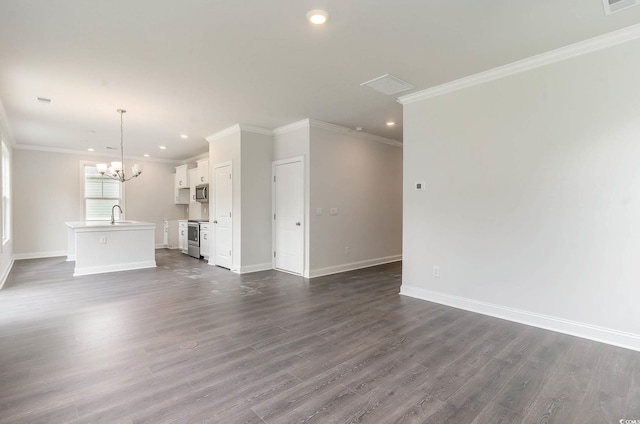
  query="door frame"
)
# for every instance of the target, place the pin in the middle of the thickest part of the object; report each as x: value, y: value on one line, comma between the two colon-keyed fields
x: 213, y: 246
x: 273, y: 211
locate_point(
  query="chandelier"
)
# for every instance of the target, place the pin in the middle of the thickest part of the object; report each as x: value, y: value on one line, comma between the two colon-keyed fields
x: 116, y: 170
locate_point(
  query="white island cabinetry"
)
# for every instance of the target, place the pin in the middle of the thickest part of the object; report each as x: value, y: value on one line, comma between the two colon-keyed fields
x: 99, y: 246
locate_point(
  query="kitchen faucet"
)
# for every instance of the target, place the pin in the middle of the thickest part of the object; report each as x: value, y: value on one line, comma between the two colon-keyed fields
x: 113, y: 221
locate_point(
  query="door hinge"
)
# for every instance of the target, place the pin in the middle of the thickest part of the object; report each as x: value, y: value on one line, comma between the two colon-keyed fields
x: 274, y: 178
x: 274, y: 253
x: 229, y: 214
x: 274, y: 216
x: 229, y: 176
x: 229, y: 252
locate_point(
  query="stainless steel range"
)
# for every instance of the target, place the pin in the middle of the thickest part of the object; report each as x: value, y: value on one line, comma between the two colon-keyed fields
x: 194, y: 238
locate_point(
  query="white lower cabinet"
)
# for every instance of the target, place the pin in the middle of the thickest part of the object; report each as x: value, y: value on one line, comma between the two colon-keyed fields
x: 205, y: 240
x: 183, y: 236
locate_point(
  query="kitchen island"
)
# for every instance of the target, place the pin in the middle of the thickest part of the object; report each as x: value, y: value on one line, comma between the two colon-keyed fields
x: 99, y: 246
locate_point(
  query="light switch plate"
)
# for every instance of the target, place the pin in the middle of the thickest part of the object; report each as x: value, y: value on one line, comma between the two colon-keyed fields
x: 334, y: 211
x: 318, y: 211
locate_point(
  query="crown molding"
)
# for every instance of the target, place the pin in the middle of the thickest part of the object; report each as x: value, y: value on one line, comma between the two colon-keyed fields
x: 304, y: 123
x: 308, y: 123
x: 590, y: 45
x: 223, y: 133
x: 234, y: 129
x: 357, y: 134
x: 90, y: 154
x: 292, y: 127
x: 255, y: 130
x: 204, y: 155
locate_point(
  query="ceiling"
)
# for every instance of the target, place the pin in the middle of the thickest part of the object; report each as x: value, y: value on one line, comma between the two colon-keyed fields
x: 199, y: 66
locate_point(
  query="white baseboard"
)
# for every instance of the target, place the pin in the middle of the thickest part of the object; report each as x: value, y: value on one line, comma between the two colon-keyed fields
x: 5, y: 273
x: 89, y: 270
x: 319, y: 272
x: 255, y: 268
x: 560, y: 325
x: 39, y: 255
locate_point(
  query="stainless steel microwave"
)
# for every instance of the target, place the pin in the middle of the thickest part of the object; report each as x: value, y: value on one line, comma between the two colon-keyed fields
x: 202, y: 193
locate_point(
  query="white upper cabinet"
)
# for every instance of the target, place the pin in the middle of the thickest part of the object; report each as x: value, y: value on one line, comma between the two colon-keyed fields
x: 182, y: 176
x: 181, y: 185
x: 193, y: 182
x: 181, y: 194
x: 203, y: 171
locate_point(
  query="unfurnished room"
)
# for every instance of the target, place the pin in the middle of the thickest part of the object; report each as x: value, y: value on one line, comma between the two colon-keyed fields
x: 319, y: 211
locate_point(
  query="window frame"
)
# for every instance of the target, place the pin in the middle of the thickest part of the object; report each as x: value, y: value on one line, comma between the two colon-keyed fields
x: 6, y: 165
x: 83, y: 204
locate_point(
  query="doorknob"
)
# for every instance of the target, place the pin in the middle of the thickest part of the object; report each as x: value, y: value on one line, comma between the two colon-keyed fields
x: 298, y: 224
x: 215, y: 222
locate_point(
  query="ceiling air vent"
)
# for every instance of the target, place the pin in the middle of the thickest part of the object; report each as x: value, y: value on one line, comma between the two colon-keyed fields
x: 613, y: 6
x: 388, y: 84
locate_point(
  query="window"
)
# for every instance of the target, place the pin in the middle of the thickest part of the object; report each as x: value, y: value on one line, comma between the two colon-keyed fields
x: 6, y: 194
x: 100, y: 194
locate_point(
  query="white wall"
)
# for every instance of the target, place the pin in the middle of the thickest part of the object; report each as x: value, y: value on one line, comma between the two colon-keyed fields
x: 359, y: 175
x: 289, y: 143
x: 150, y: 196
x: 221, y: 150
x: 256, y: 152
x: 46, y: 189
x: 6, y: 251
x: 532, y: 200
x: 362, y: 178
x: 250, y: 154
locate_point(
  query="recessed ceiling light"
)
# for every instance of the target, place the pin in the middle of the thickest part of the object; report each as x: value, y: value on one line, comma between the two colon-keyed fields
x: 358, y: 128
x: 44, y: 100
x: 91, y: 149
x: 390, y: 123
x: 163, y: 147
x: 184, y: 136
x: 146, y: 155
x: 317, y: 16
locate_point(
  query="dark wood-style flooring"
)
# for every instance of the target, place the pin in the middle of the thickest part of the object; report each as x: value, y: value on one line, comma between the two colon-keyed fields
x: 190, y: 343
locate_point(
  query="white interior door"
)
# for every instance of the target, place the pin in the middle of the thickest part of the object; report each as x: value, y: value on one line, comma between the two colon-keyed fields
x: 222, y: 219
x: 289, y: 216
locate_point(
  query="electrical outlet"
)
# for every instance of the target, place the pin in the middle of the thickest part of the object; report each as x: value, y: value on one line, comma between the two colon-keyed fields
x: 103, y: 239
x: 318, y: 211
x: 346, y: 250
x: 334, y: 211
x: 436, y: 271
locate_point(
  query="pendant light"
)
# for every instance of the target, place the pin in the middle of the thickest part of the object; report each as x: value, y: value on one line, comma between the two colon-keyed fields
x: 116, y: 170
